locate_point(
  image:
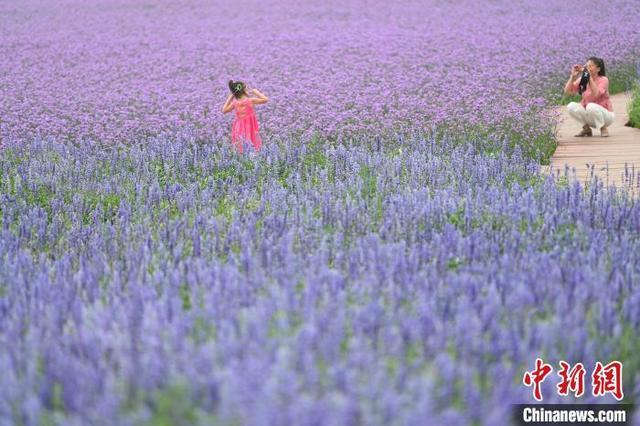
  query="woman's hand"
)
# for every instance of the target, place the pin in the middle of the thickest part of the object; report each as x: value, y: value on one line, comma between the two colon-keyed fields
x: 575, y: 70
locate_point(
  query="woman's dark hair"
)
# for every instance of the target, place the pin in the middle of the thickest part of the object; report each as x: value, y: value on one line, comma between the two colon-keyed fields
x: 238, y: 88
x: 600, y: 64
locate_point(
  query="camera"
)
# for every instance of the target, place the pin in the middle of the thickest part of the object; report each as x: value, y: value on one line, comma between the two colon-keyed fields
x: 584, y: 80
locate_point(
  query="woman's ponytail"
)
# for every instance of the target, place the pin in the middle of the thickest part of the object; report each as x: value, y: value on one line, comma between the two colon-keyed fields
x: 236, y: 88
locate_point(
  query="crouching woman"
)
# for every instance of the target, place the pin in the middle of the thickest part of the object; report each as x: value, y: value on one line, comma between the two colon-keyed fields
x: 595, y: 109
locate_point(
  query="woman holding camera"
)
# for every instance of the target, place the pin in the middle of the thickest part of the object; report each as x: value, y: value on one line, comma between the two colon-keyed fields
x: 595, y: 109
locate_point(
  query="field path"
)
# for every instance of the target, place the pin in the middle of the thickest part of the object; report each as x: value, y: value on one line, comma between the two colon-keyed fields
x: 622, y: 146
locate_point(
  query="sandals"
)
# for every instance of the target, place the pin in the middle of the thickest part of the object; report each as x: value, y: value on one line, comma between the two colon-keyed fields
x: 604, y: 132
x: 586, y: 131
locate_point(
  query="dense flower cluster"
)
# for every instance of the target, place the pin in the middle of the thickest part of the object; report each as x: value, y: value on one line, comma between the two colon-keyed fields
x: 121, y: 69
x: 180, y: 283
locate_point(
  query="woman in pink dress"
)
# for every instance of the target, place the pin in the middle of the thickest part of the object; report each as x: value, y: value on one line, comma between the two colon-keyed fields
x: 245, y: 124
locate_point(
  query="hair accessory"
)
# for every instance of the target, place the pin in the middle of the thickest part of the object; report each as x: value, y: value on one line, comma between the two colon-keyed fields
x: 238, y: 87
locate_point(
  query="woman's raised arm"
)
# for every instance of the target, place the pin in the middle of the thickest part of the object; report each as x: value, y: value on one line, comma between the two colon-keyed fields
x: 568, y: 87
x: 227, y: 105
x: 262, y: 99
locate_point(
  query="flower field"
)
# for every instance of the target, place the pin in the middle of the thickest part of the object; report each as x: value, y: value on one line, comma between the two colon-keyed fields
x: 391, y: 257
x: 119, y: 70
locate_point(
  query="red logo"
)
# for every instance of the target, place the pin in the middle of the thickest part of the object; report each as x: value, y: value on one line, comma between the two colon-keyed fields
x: 572, y: 379
x: 607, y: 379
x: 536, y: 377
x: 604, y: 379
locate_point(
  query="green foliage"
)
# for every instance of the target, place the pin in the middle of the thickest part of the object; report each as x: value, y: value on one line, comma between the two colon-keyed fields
x: 568, y: 227
x: 344, y: 344
x: 283, y: 171
x: 171, y: 206
x: 110, y: 203
x: 524, y: 180
x: 622, y: 77
x: 454, y: 263
x: 158, y: 167
x: 173, y: 406
x: 49, y: 416
x: 185, y: 296
x: 203, y: 330
x: 627, y: 351
x: 315, y: 156
x: 567, y: 99
x: 369, y: 185
x: 225, y: 207
x: 634, y: 107
x: 295, y: 320
x: 534, y: 144
x: 562, y: 181
x: 456, y: 218
x: 535, y: 226
x: 40, y: 196
x: 57, y: 401
x: 223, y: 174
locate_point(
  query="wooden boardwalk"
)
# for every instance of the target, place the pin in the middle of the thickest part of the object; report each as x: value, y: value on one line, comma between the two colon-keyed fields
x: 622, y: 146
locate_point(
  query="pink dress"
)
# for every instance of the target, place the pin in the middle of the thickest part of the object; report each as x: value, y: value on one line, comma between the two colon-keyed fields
x: 245, y: 125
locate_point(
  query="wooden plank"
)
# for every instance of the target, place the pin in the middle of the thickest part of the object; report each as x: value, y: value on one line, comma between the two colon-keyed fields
x: 621, y: 148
